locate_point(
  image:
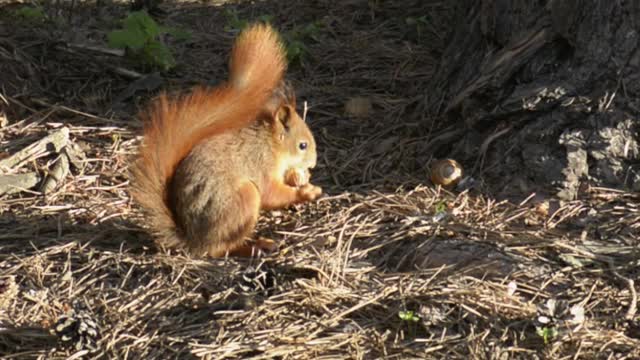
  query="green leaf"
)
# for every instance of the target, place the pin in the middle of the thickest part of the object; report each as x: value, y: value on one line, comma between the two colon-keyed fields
x: 141, y: 21
x: 408, y: 316
x: 296, y: 50
x: 140, y: 34
x: 240, y: 24
x: 233, y: 21
x: 159, y: 55
x: 133, y: 39
x: 138, y: 29
x: 31, y: 13
x: 266, y: 18
x: 547, y: 333
x: 311, y: 30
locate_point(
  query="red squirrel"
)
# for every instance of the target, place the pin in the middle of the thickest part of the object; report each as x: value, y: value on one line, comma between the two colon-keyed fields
x: 212, y: 159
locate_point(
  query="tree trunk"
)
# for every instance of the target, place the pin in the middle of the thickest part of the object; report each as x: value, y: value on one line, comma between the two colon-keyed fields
x: 549, y: 92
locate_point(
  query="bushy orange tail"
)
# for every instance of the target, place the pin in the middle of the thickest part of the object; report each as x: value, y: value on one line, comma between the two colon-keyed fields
x: 172, y: 127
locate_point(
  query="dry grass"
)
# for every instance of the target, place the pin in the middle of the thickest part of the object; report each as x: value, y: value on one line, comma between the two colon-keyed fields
x: 348, y: 265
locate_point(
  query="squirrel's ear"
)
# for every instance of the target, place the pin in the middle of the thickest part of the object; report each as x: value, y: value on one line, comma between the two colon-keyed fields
x: 283, y: 116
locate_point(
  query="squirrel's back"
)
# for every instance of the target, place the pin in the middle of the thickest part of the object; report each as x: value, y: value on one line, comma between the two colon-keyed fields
x: 172, y: 127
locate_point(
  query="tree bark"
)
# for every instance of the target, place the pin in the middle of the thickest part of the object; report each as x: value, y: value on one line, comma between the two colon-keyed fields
x: 557, y: 81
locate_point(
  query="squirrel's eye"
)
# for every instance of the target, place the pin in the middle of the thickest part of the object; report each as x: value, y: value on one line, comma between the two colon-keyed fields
x: 303, y: 145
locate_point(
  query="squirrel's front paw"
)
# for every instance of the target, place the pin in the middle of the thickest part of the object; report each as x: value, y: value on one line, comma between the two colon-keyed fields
x: 309, y: 192
x: 297, y: 177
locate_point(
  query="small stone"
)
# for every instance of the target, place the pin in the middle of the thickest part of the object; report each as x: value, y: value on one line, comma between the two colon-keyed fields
x: 358, y: 107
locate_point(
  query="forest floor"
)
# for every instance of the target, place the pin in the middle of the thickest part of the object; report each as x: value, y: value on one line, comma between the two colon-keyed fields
x: 385, y: 265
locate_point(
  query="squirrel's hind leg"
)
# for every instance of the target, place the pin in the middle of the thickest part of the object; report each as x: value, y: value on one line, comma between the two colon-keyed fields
x: 235, y: 226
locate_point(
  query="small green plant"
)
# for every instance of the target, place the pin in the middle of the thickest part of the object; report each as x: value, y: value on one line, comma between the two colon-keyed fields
x: 410, y: 319
x: 32, y: 14
x: 140, y: 37
x: 547, y: 333
x: 441, y: 207
x: 234, y: 23
x: 418, y: 22
x: 294, y: 39
x: 408, y: 316
x: 440, y: 211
